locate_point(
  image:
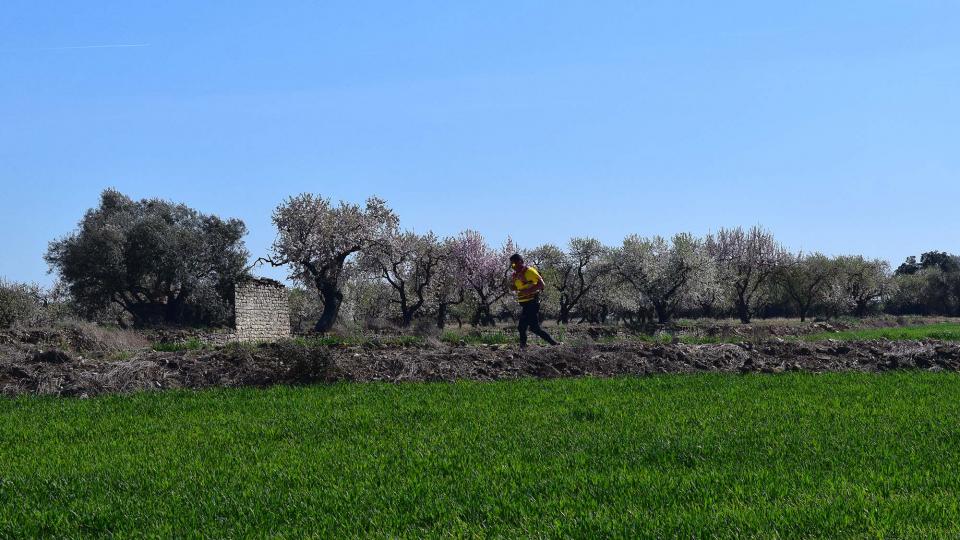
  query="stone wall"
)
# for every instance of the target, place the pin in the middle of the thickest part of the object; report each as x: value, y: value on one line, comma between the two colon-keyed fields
x: 262, y: 310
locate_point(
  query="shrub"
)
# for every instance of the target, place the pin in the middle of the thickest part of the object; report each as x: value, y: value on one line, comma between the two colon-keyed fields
x: 19, y: 303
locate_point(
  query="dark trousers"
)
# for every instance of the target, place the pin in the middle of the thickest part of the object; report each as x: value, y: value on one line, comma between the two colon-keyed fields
x: 530, y: 318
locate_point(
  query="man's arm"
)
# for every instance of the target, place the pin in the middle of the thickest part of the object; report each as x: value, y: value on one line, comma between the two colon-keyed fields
x: 513, y: 281
x: 537, y: 287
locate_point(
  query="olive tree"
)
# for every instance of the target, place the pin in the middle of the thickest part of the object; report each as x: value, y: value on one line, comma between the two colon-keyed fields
x: 746, y: 260
x: 157, y: 260
x: 315, y: 239
x: 911, y: 293
x: 662, y: 273
x: 931, y: 286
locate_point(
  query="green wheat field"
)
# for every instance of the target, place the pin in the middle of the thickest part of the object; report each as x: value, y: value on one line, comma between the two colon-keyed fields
x: 837, y: 455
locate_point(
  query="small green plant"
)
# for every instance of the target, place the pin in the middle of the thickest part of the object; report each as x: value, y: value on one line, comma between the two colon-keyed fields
x: 323, y: 341
x: 493, y: 338
x: 359, y: 340
x: 409, y: 341
x: 944, y: 332
x: 119, y: 356
x: 192, y: 344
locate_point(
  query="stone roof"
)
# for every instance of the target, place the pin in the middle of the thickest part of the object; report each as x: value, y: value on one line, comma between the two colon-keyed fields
x: 262, y: 281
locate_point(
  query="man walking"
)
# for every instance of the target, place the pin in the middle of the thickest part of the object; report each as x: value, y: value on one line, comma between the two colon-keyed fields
x: 528, y: 283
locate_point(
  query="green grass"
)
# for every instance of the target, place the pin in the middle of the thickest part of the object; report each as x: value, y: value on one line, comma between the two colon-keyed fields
x: 360, y: 340
x: 708, y: 340
x: 119, y: 356
x: 309, y: 341
x: 498, y: 337
x: 473, y: 338
x: 945, y: 332
x: 837, y: 455
x: 665, y: 338
x: 942, y: 331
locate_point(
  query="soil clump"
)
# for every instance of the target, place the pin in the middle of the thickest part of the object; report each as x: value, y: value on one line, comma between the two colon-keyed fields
x: 27, y: 368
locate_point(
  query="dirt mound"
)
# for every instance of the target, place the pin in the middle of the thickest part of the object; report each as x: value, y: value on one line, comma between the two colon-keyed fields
x: 80, y: 337
x: 58, y: 372
x: 61, y: 373
x: 645, y: 359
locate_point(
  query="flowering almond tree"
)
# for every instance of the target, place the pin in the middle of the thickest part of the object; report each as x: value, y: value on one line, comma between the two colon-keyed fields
x: 662, y: 273
x: 746, y: 261
x: 483, y: 271
x: 447, y: 287
x: 316, y: 238
x: 865, y: 282
x: 572, y: 274
x: 408, y: 262
x: 805, y: 279
x: 582, y: 266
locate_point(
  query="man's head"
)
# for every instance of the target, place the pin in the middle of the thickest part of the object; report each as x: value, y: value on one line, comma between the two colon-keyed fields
x: 516, y: 261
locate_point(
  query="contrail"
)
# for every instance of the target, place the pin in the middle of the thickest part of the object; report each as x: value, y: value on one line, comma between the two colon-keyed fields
x: 115, y: 46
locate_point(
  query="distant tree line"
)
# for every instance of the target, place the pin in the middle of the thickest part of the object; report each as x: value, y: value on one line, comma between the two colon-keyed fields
x: 359, y: 258
x: 153, y: 261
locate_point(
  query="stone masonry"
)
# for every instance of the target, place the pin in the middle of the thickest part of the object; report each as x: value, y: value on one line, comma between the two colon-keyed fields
x: 262, y: 310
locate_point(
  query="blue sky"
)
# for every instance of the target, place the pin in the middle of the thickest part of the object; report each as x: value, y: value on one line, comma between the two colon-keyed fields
x: 834, y: 124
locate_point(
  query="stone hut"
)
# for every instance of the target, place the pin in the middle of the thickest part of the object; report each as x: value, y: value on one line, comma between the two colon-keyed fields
x: 262, y: 310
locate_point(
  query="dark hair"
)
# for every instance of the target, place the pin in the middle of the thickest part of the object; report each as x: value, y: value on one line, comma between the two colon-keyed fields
x: 516, y: 258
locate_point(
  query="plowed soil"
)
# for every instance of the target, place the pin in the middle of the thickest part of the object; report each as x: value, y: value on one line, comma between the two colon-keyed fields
x: 31, y: 370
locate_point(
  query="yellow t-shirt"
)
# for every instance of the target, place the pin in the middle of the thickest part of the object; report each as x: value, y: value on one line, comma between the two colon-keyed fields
x: 530, y: 279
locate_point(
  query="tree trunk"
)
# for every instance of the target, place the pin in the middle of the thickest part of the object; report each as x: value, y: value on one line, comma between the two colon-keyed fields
x: 564, y: 316
x: 743, y: 312
x: 663, y: 314
x: 173, y: 309
x: 441, y: 315
x: 483, y: 317
x: 332, y: 298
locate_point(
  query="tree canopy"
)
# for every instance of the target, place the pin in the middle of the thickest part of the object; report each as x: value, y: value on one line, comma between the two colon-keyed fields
x: 158, y: 261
